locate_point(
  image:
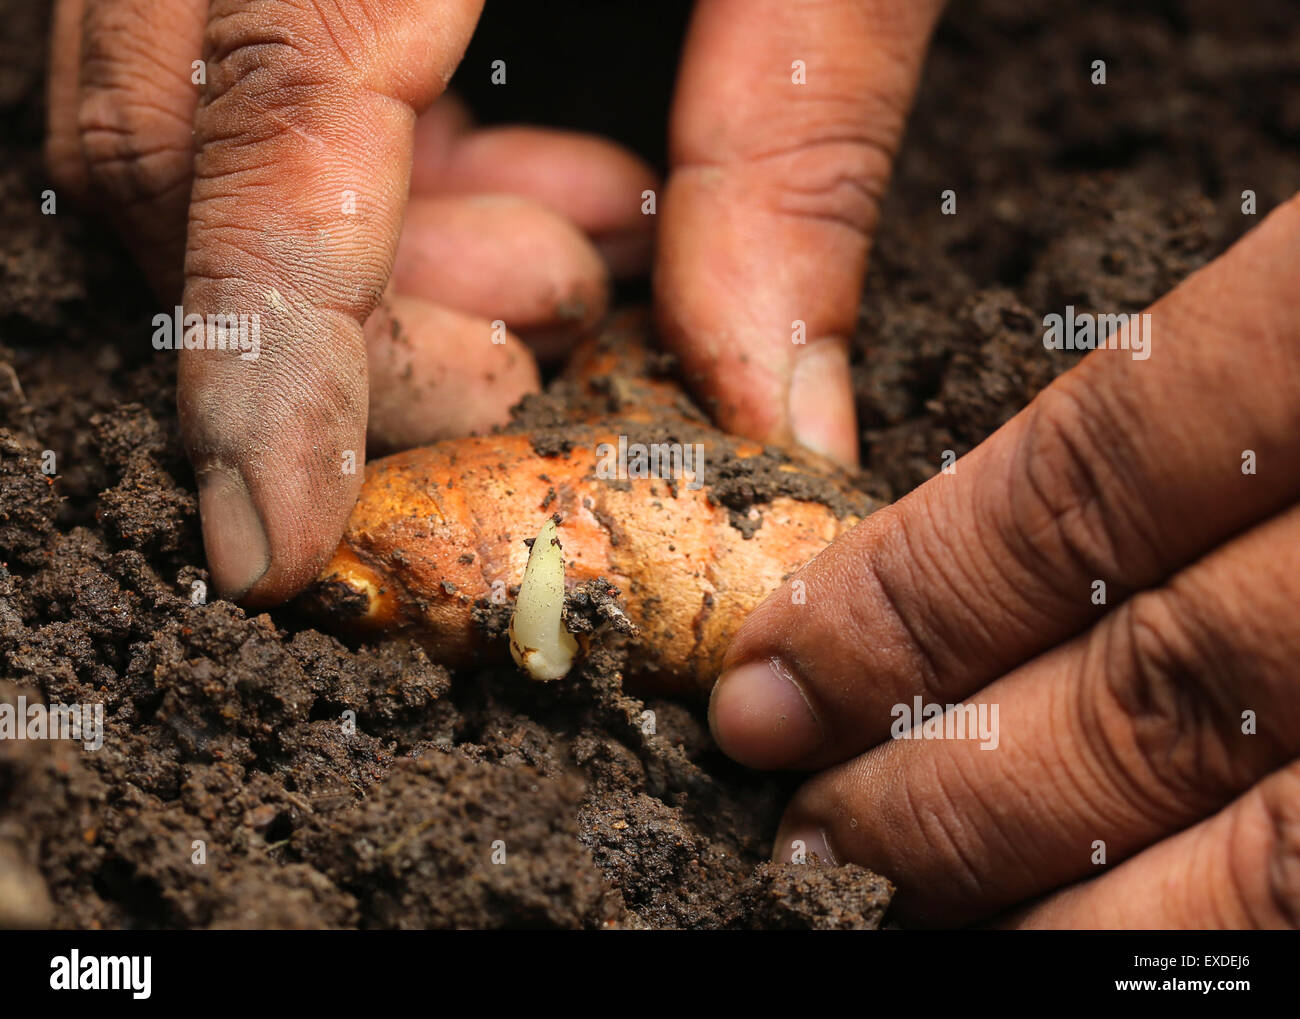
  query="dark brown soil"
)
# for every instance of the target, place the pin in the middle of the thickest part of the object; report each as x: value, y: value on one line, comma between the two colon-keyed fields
x: 233, y: 736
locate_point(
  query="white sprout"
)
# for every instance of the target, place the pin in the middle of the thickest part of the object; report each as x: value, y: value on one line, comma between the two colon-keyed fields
x: 539, y: 642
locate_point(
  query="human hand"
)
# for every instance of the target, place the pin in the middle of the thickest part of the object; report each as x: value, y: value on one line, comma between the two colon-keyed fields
x: 283, y: 137
x: 1159, y: 725
x: 776, y: 176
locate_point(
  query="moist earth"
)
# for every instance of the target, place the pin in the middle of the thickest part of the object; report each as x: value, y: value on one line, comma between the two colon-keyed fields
x: 258, y: 772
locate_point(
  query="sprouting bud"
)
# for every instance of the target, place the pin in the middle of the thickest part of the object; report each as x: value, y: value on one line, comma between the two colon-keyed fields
x: 539, y: 642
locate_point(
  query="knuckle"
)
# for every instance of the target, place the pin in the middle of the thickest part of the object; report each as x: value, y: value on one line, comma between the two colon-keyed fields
x: 823, y: 156
x: 935, y: 815
x: 837, y: 167
x: 283, y: 51
x: 834, y: 180
x: 885, y: 618
x: 1067, y: 500
x: 832, y: 172
x: 280, y: 52
x: 267, y: 74
x: 133, y: 108
x: 1177, y: 718
x: 135, y: 150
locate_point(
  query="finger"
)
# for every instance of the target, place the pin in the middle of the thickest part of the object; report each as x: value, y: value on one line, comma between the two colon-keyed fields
x: 63, y: 156
x: 501, y: 257
x: 438, y: 130
x: 1237, y: 870
x: 134, y: 119
x: 1099, y: 488
x: 437, y: 373
x: 595, y: 184
x: 772, y: 200
x: 1171, y: 707
x: 302, y: 167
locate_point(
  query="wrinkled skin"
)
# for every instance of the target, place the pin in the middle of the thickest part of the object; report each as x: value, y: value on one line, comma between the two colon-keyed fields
x: 1119, y: 722
x: 1123, y: 722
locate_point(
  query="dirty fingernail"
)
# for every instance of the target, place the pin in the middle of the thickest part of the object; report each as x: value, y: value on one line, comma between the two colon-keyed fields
x: 239, y: 552
x: 822, y: 416
x: 761, y: 718
x: 804, y: 844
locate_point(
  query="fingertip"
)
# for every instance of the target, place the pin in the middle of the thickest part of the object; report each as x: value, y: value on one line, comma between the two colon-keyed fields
x: 266, y: 543
x: 822, y: 413
x: 595, y: 184
x: 505, y: 257
x: 437, y: 373
x: 303, y: 519
x: 761, y: 717
x: 278, y: 447
x: 803, y: 840
x: 237, y: 546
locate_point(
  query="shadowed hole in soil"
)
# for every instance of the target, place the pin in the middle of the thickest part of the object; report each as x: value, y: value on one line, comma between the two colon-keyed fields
x: 140, y: 897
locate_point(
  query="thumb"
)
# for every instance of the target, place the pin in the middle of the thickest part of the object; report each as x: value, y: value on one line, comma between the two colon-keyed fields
x: 784, y: 126
x: 303, y: 153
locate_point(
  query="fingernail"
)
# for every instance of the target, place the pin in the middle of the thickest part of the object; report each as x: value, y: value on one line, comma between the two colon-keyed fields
x: 805, y: 844
x: 238, y: 550
x: 761, y: 718
x: 822, y: 415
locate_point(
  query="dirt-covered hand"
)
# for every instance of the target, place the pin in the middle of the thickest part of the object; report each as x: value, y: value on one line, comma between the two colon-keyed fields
x: 268, y: 147
x: 1111, y: 581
